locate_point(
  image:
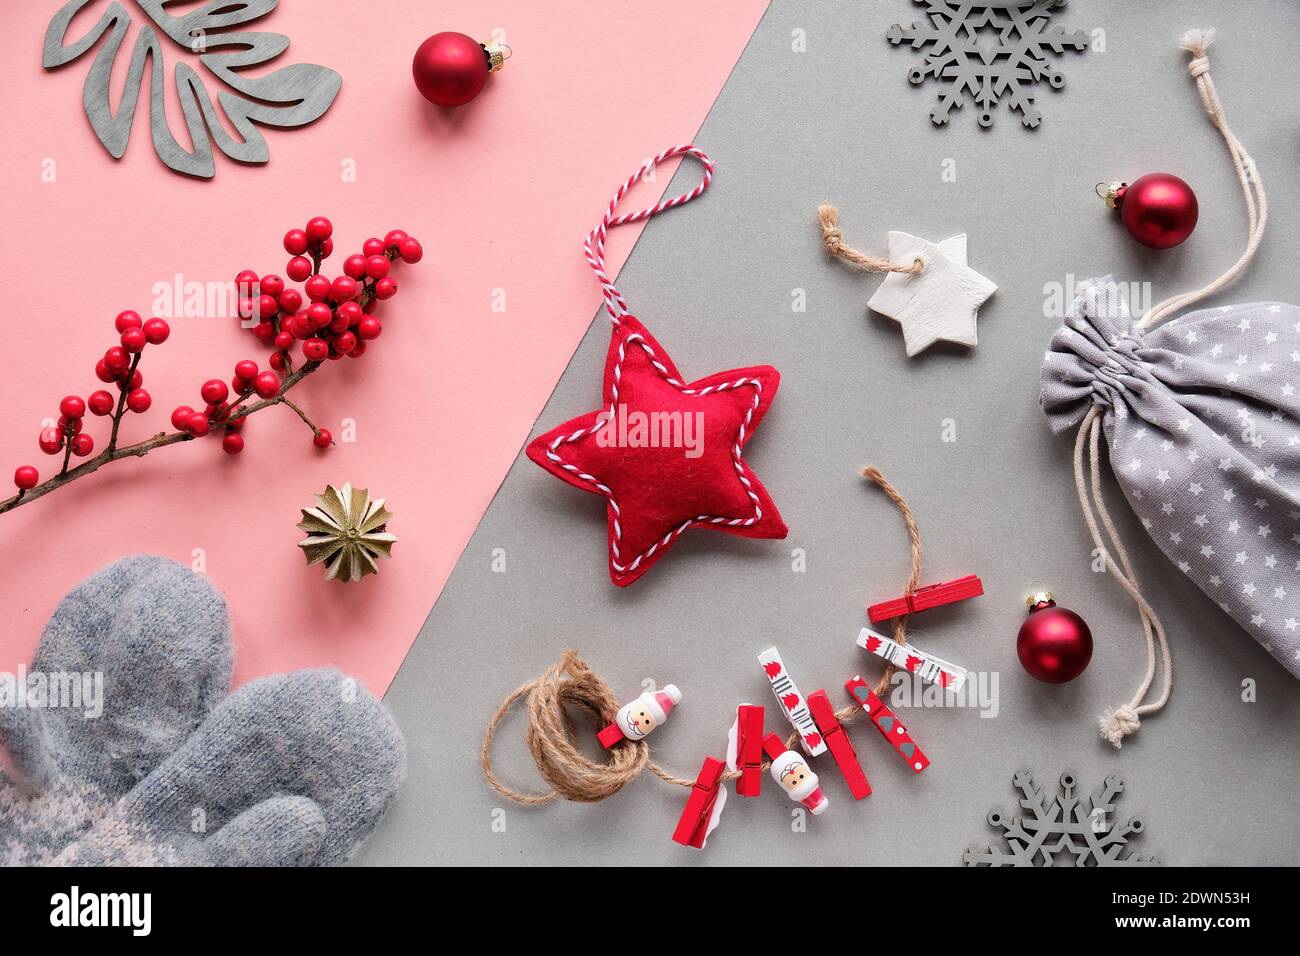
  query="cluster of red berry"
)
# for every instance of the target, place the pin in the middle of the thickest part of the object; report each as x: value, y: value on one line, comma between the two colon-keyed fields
x: 118, y: 367
x: 332, y: 318
x: 335, y: 318
x: 339, y: 317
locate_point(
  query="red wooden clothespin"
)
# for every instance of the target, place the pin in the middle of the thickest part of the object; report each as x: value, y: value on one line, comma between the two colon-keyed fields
x: 703, y: 806
x: 932, y: 595
x: 887, y: 723
x: 841, y: 747
x: 773, y: 746
x: 745, y: 749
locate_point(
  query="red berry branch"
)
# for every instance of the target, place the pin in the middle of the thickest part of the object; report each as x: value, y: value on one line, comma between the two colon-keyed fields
x: 331, y: 318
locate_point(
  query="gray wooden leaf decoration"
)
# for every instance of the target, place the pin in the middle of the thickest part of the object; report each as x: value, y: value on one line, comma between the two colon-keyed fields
x: 290, y: 96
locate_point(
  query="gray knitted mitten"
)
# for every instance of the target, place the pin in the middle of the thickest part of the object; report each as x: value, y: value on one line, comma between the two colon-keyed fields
x: 158, y: 637
x: 291, y: 770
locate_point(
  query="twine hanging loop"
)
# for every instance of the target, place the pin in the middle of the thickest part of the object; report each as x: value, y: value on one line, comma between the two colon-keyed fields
x: 833, y: 242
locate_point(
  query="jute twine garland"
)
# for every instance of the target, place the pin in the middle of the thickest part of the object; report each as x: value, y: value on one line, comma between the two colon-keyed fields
x: 552, y: 736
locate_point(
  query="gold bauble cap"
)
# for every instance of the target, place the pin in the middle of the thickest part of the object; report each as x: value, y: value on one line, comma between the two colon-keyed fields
x: 497, y: 54
x: 1036, y: 598
x: 1112, y: 194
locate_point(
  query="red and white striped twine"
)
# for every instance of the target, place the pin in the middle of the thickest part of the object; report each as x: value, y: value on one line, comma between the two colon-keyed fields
x: 594, y: 249
x: 594, y: 245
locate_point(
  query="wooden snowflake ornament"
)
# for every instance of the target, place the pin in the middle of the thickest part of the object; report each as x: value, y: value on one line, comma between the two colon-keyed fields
x: 347, y: 532
x: 988, y: 52
x: 286, y: 97
x: 1062, y: 830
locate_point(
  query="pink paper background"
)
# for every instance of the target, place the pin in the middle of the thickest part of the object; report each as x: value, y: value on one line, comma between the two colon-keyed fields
x: 499, y: 192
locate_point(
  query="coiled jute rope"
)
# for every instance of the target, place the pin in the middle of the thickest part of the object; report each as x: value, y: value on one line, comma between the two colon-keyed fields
x: 570, y: 684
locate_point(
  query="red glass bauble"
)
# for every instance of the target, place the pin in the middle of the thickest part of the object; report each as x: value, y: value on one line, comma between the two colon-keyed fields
x: 450, y: 68
x: 1159, y: 210
x: 1054, y: 643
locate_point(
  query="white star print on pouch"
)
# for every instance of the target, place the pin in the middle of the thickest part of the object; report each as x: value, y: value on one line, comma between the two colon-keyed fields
x: 1203, y: 426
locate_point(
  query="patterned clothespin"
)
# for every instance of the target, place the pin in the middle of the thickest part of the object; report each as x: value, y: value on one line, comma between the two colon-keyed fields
x: 911, y: 658
x: 887, y: 723
x: 792, y: 702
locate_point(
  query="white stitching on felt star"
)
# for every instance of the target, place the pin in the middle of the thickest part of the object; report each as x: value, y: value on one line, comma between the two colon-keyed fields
x: 605, y: 490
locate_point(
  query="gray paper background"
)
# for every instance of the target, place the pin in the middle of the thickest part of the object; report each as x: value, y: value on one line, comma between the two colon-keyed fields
x: 1214, y: 778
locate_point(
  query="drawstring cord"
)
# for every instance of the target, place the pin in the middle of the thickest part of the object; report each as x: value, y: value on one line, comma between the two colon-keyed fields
x: 1117, y: 723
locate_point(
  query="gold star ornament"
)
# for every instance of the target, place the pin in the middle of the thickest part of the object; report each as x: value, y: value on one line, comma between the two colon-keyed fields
x: 346, y: 531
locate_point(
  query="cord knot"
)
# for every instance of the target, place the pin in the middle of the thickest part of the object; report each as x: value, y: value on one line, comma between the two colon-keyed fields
x: 1119, y: 723
x: 832, y: 237
x: 833, y: 242
x: 1196, y: 42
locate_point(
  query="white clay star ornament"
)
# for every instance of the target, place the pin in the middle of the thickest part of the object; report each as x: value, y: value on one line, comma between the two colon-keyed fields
x: 940, y: 302
x: 929, y: 289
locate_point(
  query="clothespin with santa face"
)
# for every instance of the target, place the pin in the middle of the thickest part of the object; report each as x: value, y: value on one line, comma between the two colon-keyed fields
x: 745, y: 749
x: 633, y: 721
x: 791, y: 771
x: 703, y: 806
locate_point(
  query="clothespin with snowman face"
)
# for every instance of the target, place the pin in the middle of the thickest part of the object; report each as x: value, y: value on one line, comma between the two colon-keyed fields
x: 791, y: 771
x: 635, y: 720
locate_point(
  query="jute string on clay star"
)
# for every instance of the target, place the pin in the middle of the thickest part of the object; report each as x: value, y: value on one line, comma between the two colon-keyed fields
x: 571, y: 684
x: 833, y: 241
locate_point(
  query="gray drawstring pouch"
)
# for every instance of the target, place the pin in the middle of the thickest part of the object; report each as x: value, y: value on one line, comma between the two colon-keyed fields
x: 1201, y: 416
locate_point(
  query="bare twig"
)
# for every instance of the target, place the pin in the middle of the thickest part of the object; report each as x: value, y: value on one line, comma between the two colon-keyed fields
x: 123, y: 388
x: 94, y: 464
x: 301, y: 414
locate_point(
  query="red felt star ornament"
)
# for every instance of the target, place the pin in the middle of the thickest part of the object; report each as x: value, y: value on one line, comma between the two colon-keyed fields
x: 664, y: 453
